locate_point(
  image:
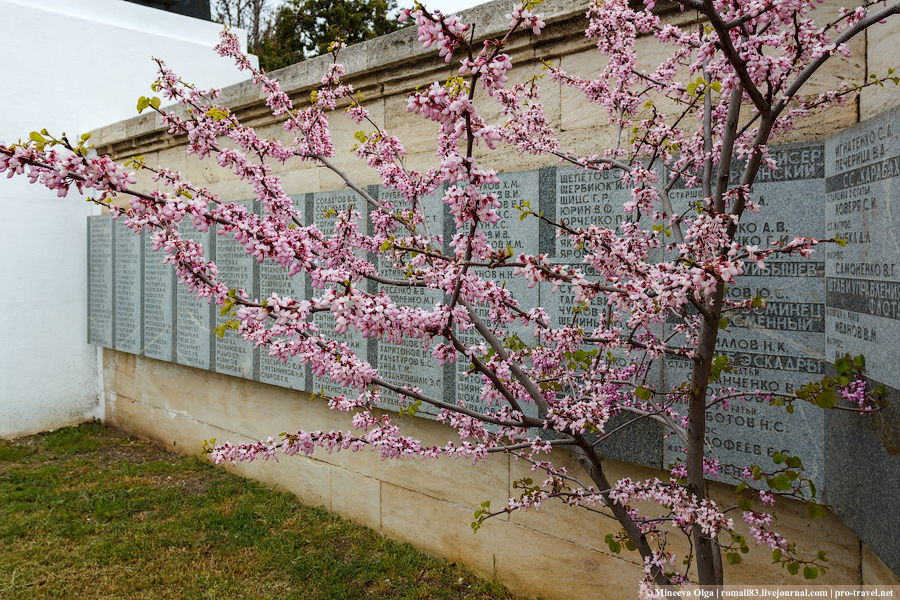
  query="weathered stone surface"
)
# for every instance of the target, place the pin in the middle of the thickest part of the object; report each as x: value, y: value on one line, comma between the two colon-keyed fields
x: 273, y: 279
x: 863, y: 475
x: 863, y: 317
x: 193, y: 317
x: 863, y: 294
x: 238, y: 270
x: 100, y: 281
x: 325, y: 209
x: 159, y: 304
x: 129, y: 280
x: 508, y: 233
x: 408, y: 363
x: 780, y: 348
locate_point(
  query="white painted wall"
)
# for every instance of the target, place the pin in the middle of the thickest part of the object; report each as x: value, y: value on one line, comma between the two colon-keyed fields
x: 73, y: 66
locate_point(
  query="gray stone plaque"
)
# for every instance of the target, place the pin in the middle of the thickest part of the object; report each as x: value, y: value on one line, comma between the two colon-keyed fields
x: 352, y: 341
x: 233, y: 355
x: 521, y: 237
x: 275, y: 280
x: 863, y: 291
x: 749, y: 432
x: 863, y: 475
x: 408, y: 363
x: 193, y: 325
x: 780, y: 348
x: 325, y: 208
x: 581, y: 199
x: 100, y: 281
x: 159, y: 303
x: 128, y: 279
x: 584, y: 198
x: 510, y: 232
x: 468, y: 386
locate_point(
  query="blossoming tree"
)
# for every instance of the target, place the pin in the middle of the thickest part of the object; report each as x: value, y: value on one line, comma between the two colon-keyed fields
x: 660, y: 275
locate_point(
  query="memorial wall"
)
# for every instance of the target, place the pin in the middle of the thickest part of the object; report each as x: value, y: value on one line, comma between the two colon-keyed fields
x: 842, y: 300
x: 778, y: 349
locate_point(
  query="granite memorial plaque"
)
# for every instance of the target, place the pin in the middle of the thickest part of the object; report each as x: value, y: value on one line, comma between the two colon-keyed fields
x: 100, y: 281
x: 128, y: 278
x: 583, y: 199
x: 522, y: 237
x: 159, y: 303
x: 777, y: 349
x: 325, y: 208
x: 408, y: 363
x: 193, y: 323
x: 862, y: 168
x: 580, y: 199
x: 232, y: 354
x: 273, y: 279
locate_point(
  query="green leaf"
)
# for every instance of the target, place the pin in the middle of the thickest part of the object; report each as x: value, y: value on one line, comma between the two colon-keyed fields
x: 812, y: 488
x: 842, y: 365
x: 776, y: 555
x: 745, y: 503
x: 810, y: 572
x: 822, y: 556
x: 794, y: 462
x: 643, y: 393
x: 142, y: 103
x: 155, y: 102
x: 793, y: 568
x: 34, y: 135
x: 826, y: 400
x: 860, y: 361
x: 781, y: 483
x: 733, y: 558
x: 815, y: 510
x: 723, y: 323
x: 778, y: 458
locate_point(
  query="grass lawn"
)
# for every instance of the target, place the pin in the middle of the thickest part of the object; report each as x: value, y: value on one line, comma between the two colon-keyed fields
x: 89, y: 513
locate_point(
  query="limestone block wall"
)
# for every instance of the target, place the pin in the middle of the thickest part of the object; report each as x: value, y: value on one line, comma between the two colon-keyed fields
x: 179, y: 386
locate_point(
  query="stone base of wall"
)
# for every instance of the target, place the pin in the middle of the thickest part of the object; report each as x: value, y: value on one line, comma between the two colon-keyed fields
x: 557, y: 553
